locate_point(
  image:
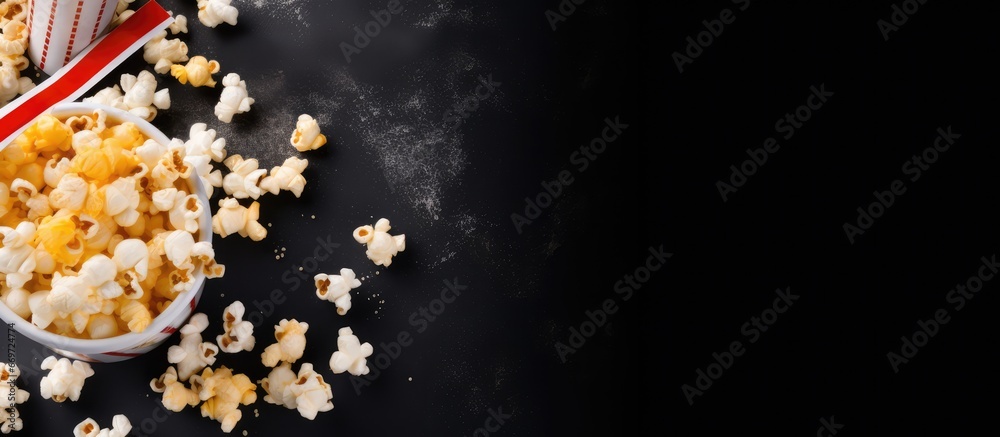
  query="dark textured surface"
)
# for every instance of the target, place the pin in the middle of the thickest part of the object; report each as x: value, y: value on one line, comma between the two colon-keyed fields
x: 452, y: 191
x: 391, y: 154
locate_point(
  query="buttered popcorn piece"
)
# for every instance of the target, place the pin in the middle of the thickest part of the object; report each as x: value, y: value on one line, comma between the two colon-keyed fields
x: 163, y: 52
x: 223, y: 392
x: 238, y: 335
x: 176, y: 396
x: 351, y: 356
x: 120, y: 427
x: 215, y: 12
x: 244, y: 177
x: 291, y: 336
x: 65, y: 379
x: 381, y: 246
x: 286, y: 177
x: 234, y: 218
x: 336, y: 288
x: 309, y: 393
x: 234, y: 99
x: 192, y: 355
x: 198, y: 71
x: 307, y: 135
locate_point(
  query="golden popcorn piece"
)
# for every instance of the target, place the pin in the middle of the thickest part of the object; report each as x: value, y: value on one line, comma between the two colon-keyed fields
x: 198, y: 71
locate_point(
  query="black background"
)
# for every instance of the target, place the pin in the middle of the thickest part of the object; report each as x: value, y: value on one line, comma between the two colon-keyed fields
x: 495, y: 346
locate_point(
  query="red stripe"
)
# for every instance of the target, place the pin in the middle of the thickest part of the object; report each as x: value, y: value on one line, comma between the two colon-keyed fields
x: 31, y: 10
x: 192, y: 304
x: 145, y: 19
x: 169, y: 330
x: 120, y: 354
x: 100, y: 17
x: 48, y: 35
x: 72, y: 33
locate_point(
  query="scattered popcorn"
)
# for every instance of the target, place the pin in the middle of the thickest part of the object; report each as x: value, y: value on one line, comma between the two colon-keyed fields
x: 238, y: 334
x: 120, y: 427
x: 351, y: 356
x: 12, y: 84
x: 307, y: 135
x: 137, y: 95
x: 202, y: 148
x: 234, y: 99
x: 222, y: 393
x: 244, y: 178
x: 215, y: 12
x: 309, y: 394
x: 198, y: 71
x: 13, y: 44
x: 180, y: 25
x: 175, y: 395
x: 381, y: 246
x: 192, y: 355
x: 234, y: 218
x: 291, y: 336
x: 163, y: 53
x: 336, y: 288
x: 276, y: 382
x: 8, y: 384
x: 287, y: 177
x: 65, y: 379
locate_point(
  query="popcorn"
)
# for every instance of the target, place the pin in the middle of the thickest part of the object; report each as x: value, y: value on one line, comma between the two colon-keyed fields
x: 16, y: 260
x: 223, y: 392
x: 215, y: 12
x: 198, y: 71
x: 54, y: 171
x: 185, y: 212
x: 135, y: 315
x: 381, y: 246
x: 121, y: 200
x: 139, y: 97
x: 351, y: 356
x: 276, y: 382
x: 309, y: 394
x: 180, y: 24
x: 200, y: 149
x: 12, y: 84
x: 244, y: 178
x: 192, y: 355
x: 163, y: 53
x: 17, y: 300
x: 120, y: 427
x: 205, y: 255
x: 234, y: 218
x: 287, y: 177
x: 234, y: 99
x: 70, y: 193
x: 239, y: 333
x: 291, y: 336
x: 65, y: 379
x: 336, y: 288
x: 175, y: 395
x: 307, y: 135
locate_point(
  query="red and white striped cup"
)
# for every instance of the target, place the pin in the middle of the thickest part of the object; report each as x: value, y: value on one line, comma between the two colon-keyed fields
x: 60, y: 29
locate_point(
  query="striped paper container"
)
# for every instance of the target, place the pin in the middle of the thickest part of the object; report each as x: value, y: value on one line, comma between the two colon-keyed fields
x: 59, y: 29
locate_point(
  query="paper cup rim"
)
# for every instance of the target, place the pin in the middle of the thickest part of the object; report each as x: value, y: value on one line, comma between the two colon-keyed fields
x: 160, y: 322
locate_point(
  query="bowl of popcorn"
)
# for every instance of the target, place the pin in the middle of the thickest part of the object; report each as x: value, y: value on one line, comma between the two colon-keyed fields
x: 106, y: 233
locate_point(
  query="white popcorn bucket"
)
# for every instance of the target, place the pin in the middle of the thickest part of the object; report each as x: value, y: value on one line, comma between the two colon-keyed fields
x: 61, y: 29
x: 130, y: 345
